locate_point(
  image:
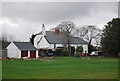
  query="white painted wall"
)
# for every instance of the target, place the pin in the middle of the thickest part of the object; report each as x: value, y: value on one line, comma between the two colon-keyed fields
x: 13, y: 51
x: 37, y: 54
x: 29, y: 53
x: 59, y: 45
x: 43, y: 43
x: 51, y: 46
x: 75, y: 45
x: 36, y: 39
x: 85, y: 47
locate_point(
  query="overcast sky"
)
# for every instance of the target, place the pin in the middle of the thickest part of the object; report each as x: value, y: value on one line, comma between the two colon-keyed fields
x: 22, y: 19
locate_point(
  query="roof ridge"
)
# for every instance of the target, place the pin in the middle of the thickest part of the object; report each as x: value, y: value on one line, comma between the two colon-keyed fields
x: 22, y: 42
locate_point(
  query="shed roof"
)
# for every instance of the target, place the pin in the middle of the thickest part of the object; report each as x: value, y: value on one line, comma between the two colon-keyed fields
x: 24, y: 46
x: 61, y: 38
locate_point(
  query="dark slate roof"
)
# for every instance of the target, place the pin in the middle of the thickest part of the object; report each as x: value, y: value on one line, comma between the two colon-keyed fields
x: 24, y: 46
x: 53, y: 38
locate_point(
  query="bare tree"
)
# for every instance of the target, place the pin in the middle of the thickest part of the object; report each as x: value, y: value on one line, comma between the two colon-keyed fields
x: 7, y: 37
x: 90, y: 34
x: 67, y: 29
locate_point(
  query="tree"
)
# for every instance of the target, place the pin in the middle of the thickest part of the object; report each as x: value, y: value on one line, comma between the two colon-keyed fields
x: 32, y: 38
x: 67, y: 28
x: 7, y: 37
x: 90, y: 34
x: 111, y: 37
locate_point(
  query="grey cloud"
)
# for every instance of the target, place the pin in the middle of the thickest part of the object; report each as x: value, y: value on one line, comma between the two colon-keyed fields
x: 46, y: 12
x: 119, y: 9
x: 29, y: 15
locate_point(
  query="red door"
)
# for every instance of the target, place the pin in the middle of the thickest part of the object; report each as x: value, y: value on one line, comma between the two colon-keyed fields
x: 24, y: 53
x: 32, y: 54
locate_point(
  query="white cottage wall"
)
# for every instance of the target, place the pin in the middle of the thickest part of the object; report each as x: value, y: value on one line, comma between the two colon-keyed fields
x: 85, y: 47
x: 43, y: 43
x: 57, y: 45
x: 37, y: 39
x: 51, y: 46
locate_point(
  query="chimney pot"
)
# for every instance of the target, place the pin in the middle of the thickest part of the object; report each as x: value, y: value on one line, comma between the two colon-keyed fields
x: 57, y: 31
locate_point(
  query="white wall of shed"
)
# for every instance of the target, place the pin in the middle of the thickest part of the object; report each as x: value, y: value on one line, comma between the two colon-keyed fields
x: 29, y: 53
x: 13, y: 51
x: 37, y: 54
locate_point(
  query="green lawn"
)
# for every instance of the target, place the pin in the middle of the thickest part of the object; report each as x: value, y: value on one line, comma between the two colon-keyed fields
x: 63, y: 68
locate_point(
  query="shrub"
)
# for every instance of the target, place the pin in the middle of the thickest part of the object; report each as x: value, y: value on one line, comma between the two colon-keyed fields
x: 20, y: 59
x: 6, y: 58
x: 79, y: 49
x: 12, y: 58
x: 64, y: 52
x: 72, y: 50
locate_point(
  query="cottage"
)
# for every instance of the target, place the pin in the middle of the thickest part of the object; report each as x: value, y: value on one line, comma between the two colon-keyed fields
x: 21, y: 49
x: 54, y: 39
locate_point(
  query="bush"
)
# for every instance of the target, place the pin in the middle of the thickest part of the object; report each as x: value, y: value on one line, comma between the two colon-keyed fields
x: 72, y: 50
x: 6, y: 58
x: 12, y: 58
x: 79, y: 49
x: 20, y: 59
x: 64, y: 52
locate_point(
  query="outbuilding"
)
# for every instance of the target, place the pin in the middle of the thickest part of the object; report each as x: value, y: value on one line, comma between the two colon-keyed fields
x: 21, y: 49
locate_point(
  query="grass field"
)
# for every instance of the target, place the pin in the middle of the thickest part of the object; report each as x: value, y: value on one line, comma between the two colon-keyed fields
x: 61, y: 68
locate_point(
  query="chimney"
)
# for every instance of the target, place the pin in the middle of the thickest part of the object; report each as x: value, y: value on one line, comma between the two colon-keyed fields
x: 43, y: 30
x: 57, y: 31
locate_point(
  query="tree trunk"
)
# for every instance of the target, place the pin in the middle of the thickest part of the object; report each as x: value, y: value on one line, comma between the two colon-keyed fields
x: 89, y: 46
x: 69, y: 49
